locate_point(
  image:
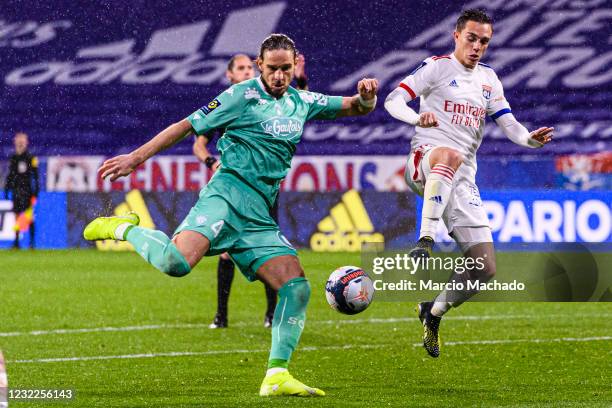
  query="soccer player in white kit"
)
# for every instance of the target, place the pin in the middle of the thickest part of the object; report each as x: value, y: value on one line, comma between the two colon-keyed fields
x: 456, y: 92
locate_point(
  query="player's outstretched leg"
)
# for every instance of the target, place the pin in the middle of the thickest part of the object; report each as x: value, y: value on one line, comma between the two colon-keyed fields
x: 154, y: 246
x: 431, y: 327
x: 476, y: 244
x: 287, y: 325
x: 443, y: 162
x: 225, y: 276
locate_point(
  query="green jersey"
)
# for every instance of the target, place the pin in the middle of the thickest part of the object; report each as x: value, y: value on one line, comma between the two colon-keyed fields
x: 261, y: 132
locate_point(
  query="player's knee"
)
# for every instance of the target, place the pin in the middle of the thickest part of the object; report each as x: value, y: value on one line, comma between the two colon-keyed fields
x: 488, y: 270
x: 453, y: 158
x: 278, y: 271
x: 290, y: 269
x: 176, y: 269
x: 174, y: 263
x: 447, y: 156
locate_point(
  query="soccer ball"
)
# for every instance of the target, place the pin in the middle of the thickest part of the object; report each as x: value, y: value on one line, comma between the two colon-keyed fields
x: 349, y: 290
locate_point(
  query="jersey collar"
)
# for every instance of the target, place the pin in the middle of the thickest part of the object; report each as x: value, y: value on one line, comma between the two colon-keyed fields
x: 460, y: 66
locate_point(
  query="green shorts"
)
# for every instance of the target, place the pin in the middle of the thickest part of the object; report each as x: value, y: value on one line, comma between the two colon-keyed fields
x: 236, y: 219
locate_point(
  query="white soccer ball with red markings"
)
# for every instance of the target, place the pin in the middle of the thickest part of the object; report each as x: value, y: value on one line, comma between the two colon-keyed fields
x: 349, y: 290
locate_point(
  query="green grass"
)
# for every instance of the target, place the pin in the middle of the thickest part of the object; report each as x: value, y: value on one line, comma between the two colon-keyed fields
x: 380, y: 366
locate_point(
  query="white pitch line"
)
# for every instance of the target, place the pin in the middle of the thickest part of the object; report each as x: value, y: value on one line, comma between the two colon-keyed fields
x: 243, y: 324
x: 345, y: 347
x: 510, y: 341
x: 133, y: 356
x: 105, y: 329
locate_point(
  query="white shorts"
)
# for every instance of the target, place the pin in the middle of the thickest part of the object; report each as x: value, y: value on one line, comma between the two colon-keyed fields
x: 464, y: 208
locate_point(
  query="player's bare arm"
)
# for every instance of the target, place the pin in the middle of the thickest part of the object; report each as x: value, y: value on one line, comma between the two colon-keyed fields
x: 199, y: 148
x: 362, y: 103
x: 122, y: 165
x: 202, y: 153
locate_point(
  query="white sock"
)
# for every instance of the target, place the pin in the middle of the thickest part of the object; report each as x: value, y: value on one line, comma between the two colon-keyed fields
x: 438, y: 188
x: 120, y: 230
x: 274, y: 370
x: 452, y: 298
x: 440, y: 308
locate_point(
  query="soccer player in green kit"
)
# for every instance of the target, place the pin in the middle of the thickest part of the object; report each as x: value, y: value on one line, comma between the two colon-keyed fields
x: 263, y: 118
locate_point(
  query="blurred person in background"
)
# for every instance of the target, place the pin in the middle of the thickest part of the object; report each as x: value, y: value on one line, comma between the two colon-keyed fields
x: 22, y: 182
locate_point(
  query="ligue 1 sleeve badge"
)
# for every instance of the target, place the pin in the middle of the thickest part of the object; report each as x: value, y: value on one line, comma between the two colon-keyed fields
x: 211, y: 106
x: 486, y: 92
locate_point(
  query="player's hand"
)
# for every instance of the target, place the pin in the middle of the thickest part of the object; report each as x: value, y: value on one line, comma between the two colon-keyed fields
x: 367, y: 88
x: 118, y: 166
x: 540, y: 137
x: 300, y: 67
x: 427, y: 120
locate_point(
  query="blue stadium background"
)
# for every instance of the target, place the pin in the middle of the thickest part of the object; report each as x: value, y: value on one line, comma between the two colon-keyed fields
x: 101, y: 78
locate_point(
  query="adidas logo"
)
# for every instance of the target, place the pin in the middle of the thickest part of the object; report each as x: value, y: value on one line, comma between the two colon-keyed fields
x: 346, y: 228
x: 174, y: 53
x: 436, y: 199
x: 454, y: 84
x: 133, y: 202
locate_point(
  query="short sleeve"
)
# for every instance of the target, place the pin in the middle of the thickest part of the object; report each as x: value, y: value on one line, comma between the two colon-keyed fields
x: 321, y: 106
x: 497, y: 104
x: 421, y: 80
x: 219, y: 112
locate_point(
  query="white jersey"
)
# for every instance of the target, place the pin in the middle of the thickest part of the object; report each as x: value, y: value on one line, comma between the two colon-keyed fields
x: 460, y: 98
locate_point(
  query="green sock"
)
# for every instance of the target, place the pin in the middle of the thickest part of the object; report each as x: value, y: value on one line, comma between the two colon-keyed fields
x: 288, y: 322
x: 278, y: 363
x: 158, y: 250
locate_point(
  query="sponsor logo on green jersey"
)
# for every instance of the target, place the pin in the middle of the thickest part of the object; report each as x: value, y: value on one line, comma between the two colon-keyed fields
x: 282, y: 127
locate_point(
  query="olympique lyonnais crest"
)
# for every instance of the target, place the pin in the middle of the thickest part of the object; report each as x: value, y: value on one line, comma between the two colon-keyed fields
x: 486, y: 92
